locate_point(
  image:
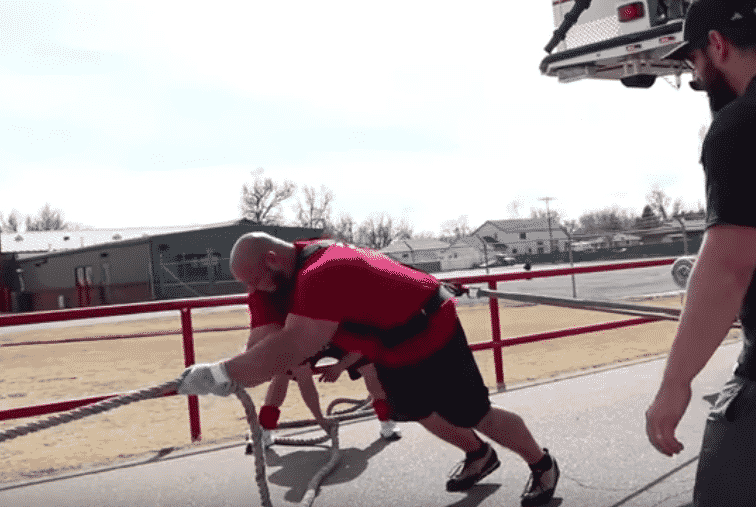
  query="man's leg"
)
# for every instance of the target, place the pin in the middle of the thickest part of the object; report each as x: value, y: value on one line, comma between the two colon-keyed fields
x: 509, y: 430
x: 388, y: 430
x: 462, y: 438
x: 727, y: 463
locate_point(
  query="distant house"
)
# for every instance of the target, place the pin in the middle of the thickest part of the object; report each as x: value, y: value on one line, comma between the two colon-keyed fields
x: 423, y: 254
x: 523, y: 235
x: 671, y: 231
x: 621, y: 240
x: 463, y: 253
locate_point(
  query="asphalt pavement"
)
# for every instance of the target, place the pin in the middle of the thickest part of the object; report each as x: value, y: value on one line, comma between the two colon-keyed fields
x: 592, y: 423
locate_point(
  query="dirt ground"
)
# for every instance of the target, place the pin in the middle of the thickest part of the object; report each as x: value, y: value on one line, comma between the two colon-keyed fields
x: 46, y: 373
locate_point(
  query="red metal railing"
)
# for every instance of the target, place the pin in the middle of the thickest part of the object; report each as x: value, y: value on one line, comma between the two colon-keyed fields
x: 184, y: 306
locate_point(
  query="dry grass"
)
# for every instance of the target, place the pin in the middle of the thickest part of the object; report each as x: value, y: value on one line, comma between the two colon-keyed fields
x: 45, y: 373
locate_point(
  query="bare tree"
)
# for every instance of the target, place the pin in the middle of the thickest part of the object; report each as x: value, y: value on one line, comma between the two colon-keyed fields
x: 424, y: 235
x: 514, y: 208
x: 613, y: 218
x: 571, y: 225
x: 376, y: 231
x: 556, y: 217
x: 677, y: 207
x: 454, y: 229
x: 404, y: 229
x: 315, y: 210
x: 659, y: 201
x: 47, y: 219
x: 12, y: 223
x: 261, y: 201
x: 648, y: 218
x: 342, y: 229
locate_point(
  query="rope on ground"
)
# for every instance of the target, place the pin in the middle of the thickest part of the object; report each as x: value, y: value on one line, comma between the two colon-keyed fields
x: 314, y: 484
x: 356, y: 405
x: 169, y: 387
x: 254, y: 425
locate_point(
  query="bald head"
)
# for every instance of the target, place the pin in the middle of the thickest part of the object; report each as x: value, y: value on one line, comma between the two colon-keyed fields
x: 256, y: 254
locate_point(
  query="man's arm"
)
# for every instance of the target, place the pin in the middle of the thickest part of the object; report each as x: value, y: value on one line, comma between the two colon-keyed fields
x: 717, y: 286
x: 300, y: 338
x: 716, y: 289
x: 334, y: 371
x: 310, y: 395
x: 257, y: 334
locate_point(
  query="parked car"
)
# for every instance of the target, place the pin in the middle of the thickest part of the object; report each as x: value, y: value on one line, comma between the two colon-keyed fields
x: 499, y: 260
x: 506, y: 260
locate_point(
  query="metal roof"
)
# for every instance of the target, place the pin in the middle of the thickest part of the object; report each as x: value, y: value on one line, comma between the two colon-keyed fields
x: 52, y: 241
x: 408, y: 245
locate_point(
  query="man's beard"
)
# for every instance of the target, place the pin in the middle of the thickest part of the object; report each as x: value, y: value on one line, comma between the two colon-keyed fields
x: 717, y: 88
x: 284, y: 287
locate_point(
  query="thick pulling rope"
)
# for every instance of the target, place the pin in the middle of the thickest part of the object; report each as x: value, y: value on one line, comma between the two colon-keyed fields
x: 95, y: 408
x: 606, y: 306
x: 360, y: 408
x: 169, y: 387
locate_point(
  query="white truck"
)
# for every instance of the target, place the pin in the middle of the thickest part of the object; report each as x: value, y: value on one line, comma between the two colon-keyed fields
x: 623, y: 41
x: 616, y: 40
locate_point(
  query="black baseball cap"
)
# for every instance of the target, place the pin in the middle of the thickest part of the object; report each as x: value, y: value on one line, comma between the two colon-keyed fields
x: 706, y: 15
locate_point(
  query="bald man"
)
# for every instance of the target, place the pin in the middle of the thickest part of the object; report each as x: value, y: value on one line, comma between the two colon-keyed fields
x: 401, y: 320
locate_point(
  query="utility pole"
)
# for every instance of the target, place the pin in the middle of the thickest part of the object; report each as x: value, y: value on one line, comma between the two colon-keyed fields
x: 548, y: 214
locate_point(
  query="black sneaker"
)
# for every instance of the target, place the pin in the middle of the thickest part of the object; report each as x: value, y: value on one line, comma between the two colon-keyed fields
x: 540, y: 487
x: 468, y: 472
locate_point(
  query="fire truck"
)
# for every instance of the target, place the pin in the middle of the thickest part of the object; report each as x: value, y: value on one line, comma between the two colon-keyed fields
x: 616, y: 40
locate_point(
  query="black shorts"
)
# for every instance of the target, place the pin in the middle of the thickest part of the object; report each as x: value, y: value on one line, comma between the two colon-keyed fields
x: 448, y: 383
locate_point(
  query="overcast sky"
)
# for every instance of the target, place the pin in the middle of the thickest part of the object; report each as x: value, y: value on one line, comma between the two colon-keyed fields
x: 156, y: 113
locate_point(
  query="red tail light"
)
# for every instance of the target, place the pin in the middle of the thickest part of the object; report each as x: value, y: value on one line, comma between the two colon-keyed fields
x: 630, y: 12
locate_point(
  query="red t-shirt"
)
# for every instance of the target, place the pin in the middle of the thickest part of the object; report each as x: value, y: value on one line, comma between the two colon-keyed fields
x: 343, y: 283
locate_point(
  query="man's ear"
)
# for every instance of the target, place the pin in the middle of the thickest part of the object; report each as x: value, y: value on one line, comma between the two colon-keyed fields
x: 271, y: 259
x: 719, y: 48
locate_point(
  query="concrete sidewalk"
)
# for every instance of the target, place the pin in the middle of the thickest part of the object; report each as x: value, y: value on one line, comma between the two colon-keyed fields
x: 593, y: 424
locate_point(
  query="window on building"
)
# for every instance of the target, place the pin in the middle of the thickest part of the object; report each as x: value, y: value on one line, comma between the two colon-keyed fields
x: 514, y: 250
x: 522, y: 235
x: 540, y: 250
x: 540, y: 243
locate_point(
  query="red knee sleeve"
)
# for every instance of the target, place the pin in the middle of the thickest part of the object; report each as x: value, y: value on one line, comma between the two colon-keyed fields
x: 269, y: 417
x: 382, y: 410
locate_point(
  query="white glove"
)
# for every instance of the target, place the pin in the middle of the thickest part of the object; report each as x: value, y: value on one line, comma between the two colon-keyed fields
x: 206, y: 379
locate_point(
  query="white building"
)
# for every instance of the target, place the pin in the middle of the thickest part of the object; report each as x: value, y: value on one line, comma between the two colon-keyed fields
x: 423, y: 254
x: 463, y: 253
x: 524, y: 235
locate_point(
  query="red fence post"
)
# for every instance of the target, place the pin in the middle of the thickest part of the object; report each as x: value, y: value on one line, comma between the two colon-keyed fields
x: 493, y: 305
x: 194, y: 417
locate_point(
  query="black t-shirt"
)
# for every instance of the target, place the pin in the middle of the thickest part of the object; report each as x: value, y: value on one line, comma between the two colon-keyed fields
x: 730, y: 168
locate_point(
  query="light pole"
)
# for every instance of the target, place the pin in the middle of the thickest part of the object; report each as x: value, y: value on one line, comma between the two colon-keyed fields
x: 548, y: 215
